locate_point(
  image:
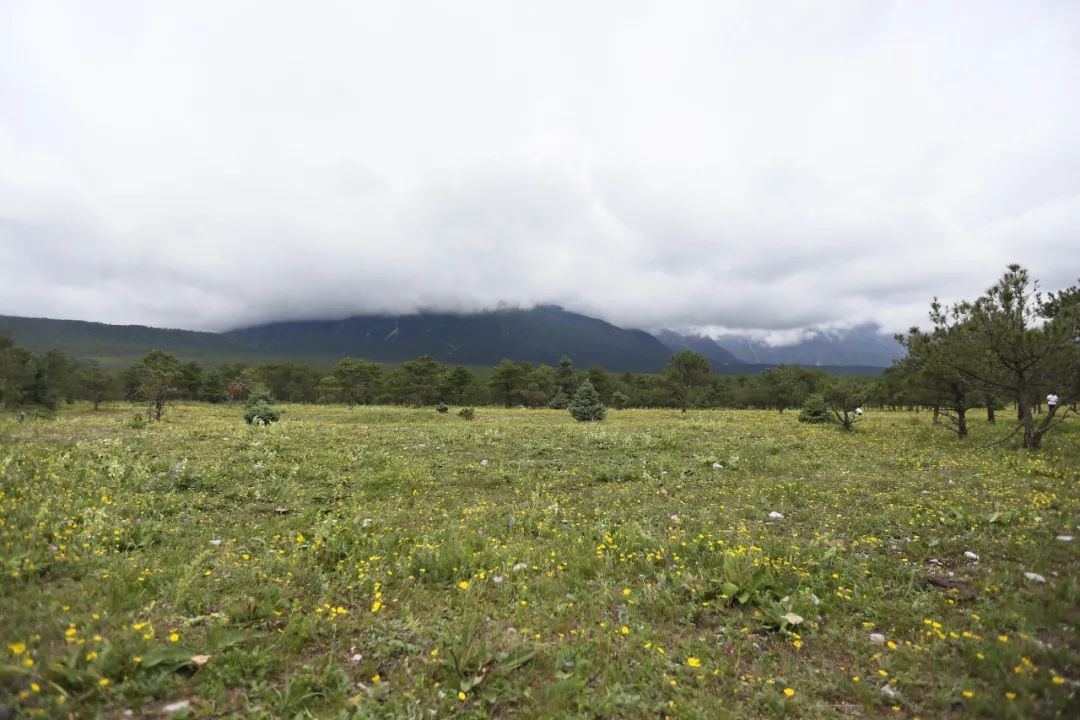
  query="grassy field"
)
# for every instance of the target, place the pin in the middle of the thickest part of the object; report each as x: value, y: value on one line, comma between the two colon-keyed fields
x: 387, y: 562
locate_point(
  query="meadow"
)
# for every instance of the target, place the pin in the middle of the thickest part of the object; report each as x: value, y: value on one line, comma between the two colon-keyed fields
x: 398, y: 563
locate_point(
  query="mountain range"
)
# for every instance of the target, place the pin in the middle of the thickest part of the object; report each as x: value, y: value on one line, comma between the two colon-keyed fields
x: 540, y: 335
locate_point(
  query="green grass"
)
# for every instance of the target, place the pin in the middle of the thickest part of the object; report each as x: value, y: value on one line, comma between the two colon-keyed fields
x: 388, y: 562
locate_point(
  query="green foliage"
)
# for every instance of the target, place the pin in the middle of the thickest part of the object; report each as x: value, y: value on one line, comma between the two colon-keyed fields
x: 559, y: 402
x: 687, y: 376
x: 619, y: 400
x: 787, y: 386
x: 816, y: 411
x: 259, y: 408
x: 352, y: 382
x: 95, y: 384
x: 442, y: 408
x: 467, y: 413
x: 157, y: 381
x: 507, y: 382
x: 1014, y: 341
x: 586, y: 405
x: 261, y: 413
x: 845, y: 397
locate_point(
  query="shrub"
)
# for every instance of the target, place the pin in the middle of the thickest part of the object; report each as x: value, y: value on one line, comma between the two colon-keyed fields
x: 619, y: 400
x: 815, y: 411
x: 586, y: 406
x: 466, y: 413
x: 442, y: 408
x: 261, y: 413
x: 559, y: 402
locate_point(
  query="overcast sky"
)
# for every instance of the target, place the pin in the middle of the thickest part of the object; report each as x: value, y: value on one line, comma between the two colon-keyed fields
x: 744, y: 165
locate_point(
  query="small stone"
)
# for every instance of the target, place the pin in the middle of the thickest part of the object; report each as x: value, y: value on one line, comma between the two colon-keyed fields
x: 971, y: 556
x: 877, y: 638
x: 497, y: 579
x: 519, y: 566
x: 175, y: 707
x: 890, y: 692
x: 717, y: 466
x: 357, y: 657
x: 776, y: 515
x: 1064, y: 538
x: 215, y: 541
x: 1035, y: 577
x: 483, y: 462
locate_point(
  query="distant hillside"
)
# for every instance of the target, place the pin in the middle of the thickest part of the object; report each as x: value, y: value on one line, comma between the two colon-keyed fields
x: 862, y: 345
x: 539, y: 335
x: 704, y: 346
x: 119, y: 345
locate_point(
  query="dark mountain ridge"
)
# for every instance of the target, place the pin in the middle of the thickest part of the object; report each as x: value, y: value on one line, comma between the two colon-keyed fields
x: 539, y: 335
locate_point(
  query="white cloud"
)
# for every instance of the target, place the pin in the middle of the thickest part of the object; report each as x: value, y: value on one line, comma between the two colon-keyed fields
x: 751, y: 166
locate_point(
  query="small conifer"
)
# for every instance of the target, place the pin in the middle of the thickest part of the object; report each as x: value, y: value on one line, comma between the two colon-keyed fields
x: 586, y: 405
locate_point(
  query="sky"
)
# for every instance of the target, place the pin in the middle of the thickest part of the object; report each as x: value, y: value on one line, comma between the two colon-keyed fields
x: 765, y: 167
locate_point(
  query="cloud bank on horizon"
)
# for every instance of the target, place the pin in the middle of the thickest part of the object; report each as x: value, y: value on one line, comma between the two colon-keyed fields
x: 762, y: 167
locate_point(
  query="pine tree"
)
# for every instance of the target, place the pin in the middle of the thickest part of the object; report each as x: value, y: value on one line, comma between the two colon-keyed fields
x: 559, y: 402
x: 586, y: 406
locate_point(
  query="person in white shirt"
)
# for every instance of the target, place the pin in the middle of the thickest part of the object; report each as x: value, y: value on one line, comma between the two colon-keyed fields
x: 1052, y: 401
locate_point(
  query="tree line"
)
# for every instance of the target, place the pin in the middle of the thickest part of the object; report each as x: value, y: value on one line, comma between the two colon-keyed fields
x: 47, y: 380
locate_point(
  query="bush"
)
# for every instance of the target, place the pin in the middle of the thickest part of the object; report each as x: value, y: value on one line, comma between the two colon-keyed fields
x: 619, y: 400
x: 442, y: 408
x: 816, y: 411
x: 466, y: 413
x: 586, y: 406
x: 259, y: 411
x: 559, y: 402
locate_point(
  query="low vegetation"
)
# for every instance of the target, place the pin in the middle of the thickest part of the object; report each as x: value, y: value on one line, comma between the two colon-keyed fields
x: 384, y: 562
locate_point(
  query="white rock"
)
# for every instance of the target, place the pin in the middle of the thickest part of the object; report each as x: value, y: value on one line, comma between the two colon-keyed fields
x: 215, y: 541
x: 877, y: 638
x: 519, y: 566
x: 890, y: 692
x: 497, y: 579
x: 483, y: 462
x: 674, y: 518
x: 1064, y: 538
x: 971, y: 556
x: 717, y: 466
x: 1035, y: 577
x: 176, y: 706
x: 776, y: 516
x: 357, y: 657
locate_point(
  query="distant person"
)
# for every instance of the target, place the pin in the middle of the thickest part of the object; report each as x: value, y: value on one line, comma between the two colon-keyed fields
x: 1052, y: 402
x: 858, y: 411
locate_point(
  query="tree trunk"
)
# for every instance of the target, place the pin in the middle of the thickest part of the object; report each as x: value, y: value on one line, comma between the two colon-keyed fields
x: 961, y: 421
x: 1031, y: 440
x: 990, y: 411
x: 1044, y: 426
